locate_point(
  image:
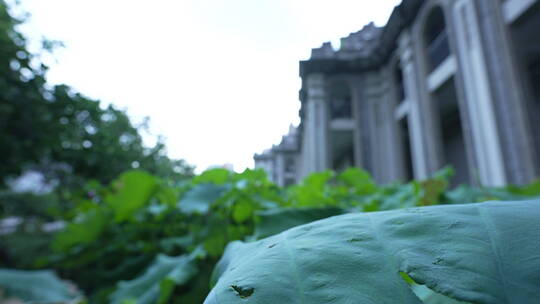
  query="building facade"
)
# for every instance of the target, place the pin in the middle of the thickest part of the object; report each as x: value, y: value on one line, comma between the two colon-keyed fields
x: 444, y: 82
x: 281, y: 161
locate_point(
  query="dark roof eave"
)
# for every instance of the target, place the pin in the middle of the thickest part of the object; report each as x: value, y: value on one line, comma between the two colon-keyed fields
x: 401, y: 17
x: 336, y: 66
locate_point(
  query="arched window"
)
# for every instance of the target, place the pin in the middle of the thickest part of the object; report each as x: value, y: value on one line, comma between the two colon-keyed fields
x: 341, y: 132
x: 340, y: 101
x: 400, y: 87
x: 436, y: 38
x: 289, y: 164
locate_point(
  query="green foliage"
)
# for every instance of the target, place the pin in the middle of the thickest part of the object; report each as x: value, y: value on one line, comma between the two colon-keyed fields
x: 28, y: 204
x: 479, y: 253
x: 35, y: 287
x: 132, y: 191
x: 64, y: 135
x: 148, y: 231
x: 158, y: 281
x: 138, y: 217
x: 199, y: 199
x: 126, y: 225
x: 84, y: 230
x: 273, y: 221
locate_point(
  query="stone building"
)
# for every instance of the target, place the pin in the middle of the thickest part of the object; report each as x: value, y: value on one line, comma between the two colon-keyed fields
x: 444, y: 82
x: 281, y: 161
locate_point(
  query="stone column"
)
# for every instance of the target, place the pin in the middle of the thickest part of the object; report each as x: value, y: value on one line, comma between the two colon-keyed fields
x: 364, y: 123
x: 390, y: 143
x: 478, y: 99
x: 357, y: 98
x: 372, y: 99
x: 280, y: 169
x: 316, y: 124
x: 356, y: 85
x: 380, y: 117
x: 412, y: 95
x: 507, y: 93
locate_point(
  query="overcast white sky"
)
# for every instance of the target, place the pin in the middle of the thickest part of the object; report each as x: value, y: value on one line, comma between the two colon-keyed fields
x: 218, y: 78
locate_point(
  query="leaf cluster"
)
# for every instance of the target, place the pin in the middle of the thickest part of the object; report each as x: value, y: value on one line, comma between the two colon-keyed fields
x: 151, y: 240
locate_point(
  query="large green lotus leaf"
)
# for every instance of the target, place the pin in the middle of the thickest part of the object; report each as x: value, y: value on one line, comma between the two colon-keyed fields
x: 274, y: 221
x: 199, y: 199
x: 41, y: 286
x: 133, y: 190
x: 84, y: 230
x: 257, y: 176
x: 217, y: 176
x: 156, y: 284
x: 243, y: 210
x: 312, y: 191
x: 486, y: 253
x: 359, y: 179
x: 428, y: 296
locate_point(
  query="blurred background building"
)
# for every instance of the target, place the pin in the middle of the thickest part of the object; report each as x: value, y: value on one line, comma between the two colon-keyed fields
x: 444, y: 82
x: 282, y: 160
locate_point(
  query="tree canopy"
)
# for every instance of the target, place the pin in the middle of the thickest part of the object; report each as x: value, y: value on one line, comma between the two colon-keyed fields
x: 59, y: 132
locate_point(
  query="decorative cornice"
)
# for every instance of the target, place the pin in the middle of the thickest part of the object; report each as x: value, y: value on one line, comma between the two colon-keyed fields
x: 325, y: 60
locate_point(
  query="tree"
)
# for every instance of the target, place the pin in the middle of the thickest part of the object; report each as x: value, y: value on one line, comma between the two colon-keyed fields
x: 60, y: 132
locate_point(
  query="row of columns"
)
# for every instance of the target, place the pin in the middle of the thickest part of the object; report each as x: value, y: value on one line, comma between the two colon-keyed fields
x: 491, y: 103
